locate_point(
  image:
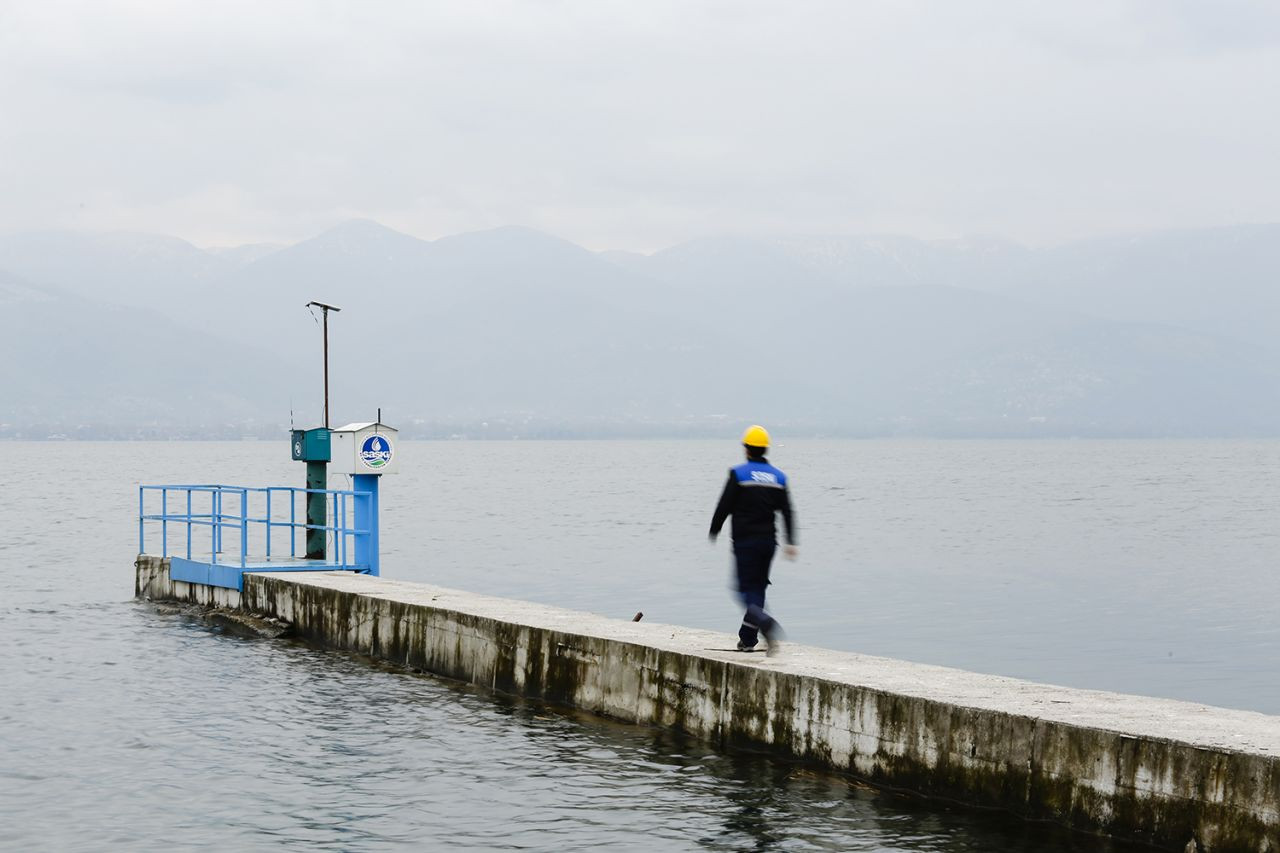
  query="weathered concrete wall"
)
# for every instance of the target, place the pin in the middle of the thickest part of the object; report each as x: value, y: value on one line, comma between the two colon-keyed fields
x: 1175, y: 774
x: 151, y: 580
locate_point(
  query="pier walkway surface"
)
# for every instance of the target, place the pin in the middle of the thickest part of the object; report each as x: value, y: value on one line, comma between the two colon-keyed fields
x: 1178, y: 775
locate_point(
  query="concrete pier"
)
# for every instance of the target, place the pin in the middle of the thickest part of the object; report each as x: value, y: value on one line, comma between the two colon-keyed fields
x: 1178, y: 775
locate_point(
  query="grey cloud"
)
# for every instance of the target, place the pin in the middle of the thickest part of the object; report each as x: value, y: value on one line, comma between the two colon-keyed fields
x: 637, y: 126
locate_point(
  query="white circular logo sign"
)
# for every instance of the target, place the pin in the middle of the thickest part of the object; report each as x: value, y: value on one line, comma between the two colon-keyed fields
x: 375, y: 453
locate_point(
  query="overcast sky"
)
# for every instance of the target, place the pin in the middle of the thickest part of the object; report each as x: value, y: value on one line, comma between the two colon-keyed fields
x: 641, y: 124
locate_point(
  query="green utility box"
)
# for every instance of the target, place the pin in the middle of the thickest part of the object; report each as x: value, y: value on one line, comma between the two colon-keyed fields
x: 311, y: 445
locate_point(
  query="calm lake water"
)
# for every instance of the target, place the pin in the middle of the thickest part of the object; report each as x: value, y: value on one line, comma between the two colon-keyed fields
x: 1143, y: 567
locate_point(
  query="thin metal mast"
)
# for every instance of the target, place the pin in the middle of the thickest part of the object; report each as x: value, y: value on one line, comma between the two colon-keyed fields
x: 324, y: 310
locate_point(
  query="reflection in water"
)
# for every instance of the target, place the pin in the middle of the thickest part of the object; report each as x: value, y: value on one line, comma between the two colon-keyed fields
x: 755, y: 789
x: 687, y: 795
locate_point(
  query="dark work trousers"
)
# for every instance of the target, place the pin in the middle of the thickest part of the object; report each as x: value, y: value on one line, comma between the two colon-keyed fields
x: 752, y: 557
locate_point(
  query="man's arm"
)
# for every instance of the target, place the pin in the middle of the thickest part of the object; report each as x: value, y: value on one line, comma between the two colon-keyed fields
x: 725, y: 507
x: 788, y: 517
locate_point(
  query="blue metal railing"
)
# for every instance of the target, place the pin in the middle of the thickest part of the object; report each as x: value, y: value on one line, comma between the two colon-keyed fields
x: 231, y: 508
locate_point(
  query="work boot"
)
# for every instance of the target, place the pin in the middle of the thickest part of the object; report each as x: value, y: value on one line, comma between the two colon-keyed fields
x: 743, y: 647
x: 773, y: 641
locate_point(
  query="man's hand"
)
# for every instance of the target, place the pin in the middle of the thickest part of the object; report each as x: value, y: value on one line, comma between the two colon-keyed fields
x: 790, y: 551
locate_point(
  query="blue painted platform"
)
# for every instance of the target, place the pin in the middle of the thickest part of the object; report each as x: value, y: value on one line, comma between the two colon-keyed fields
x: 231, y: 576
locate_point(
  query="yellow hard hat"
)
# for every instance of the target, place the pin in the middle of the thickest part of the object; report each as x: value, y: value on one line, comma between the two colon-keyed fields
x: 756, y: 436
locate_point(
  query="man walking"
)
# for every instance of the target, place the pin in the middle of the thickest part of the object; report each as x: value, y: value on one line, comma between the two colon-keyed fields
x: 755, y: 493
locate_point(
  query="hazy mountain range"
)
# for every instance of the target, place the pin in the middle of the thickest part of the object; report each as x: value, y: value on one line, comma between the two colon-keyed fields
x: 515, y: 332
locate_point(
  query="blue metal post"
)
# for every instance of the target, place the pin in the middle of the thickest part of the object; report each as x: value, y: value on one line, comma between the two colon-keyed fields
x: 340, y: 523
x: 188, y: 524
x: 164, y: 522
x: 367, y: 520
x: 268, y: 523
x: 141, y: 513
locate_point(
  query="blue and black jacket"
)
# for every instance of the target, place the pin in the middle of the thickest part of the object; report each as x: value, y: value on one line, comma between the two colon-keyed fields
x: 755, y: 493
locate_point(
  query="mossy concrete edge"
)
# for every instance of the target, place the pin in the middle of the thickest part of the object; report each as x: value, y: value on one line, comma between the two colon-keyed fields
x: 1193, y: 782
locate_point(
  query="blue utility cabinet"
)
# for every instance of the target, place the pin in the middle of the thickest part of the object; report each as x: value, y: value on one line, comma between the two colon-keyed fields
x: 311, y: 445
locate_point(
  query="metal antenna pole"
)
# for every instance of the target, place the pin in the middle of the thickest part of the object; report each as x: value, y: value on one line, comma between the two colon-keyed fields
x: 317, y: 470
x: 324, y: 310
x: 326, y: 368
